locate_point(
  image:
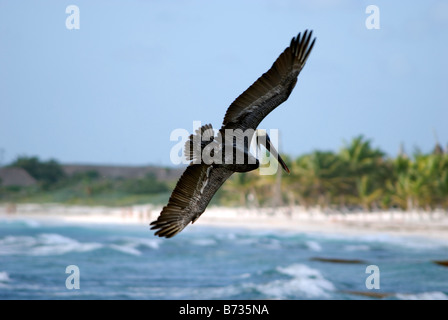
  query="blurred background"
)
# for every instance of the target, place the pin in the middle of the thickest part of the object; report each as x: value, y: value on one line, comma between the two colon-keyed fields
x: 86, y: 115
x: 106, y: 96
x: 112, y: 91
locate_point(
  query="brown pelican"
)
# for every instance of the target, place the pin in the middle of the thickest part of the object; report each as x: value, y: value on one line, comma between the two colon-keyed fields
x: 205, y: 175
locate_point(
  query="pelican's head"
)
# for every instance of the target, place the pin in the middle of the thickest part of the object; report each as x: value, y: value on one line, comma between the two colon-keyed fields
x: 263, y: 139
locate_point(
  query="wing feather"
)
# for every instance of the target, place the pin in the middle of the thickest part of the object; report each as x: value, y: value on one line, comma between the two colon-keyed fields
x: 273, y: 87
x: 190, y: 198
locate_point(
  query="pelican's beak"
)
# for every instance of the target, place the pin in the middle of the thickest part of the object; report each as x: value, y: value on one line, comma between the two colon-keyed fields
x: 270, y: 147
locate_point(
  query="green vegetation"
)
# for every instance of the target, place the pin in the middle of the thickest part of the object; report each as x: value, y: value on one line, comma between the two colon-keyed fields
x: 87, y: 188
x: 47, y: 173
x: 358, y: 176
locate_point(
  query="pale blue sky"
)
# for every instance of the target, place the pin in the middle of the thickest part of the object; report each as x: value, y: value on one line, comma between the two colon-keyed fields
x: 112, y: 92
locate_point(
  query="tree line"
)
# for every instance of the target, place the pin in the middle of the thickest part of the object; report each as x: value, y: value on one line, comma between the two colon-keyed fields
x: 358, y: 176
x: 88, y: 187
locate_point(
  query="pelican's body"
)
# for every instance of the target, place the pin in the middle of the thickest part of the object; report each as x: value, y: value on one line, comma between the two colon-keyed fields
x: 215, y: 158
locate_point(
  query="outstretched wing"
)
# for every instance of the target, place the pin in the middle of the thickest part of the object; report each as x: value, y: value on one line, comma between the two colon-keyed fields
x: 190, y: 198
x: 272, y: 88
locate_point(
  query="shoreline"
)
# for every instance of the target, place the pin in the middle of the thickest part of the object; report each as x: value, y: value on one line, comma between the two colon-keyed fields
x: 432, y: 225
x: 409, y: 224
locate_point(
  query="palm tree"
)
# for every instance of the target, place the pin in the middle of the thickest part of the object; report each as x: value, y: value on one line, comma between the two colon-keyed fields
x: 319, y: 178
x: 438, y: 179
x: 412, y: 186
x: 366, y: 172
x: 358, y: 174
x: 360, y: 156
x: 368, y: 194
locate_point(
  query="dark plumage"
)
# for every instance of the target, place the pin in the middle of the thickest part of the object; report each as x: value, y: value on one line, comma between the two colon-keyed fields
x: 201, y: 180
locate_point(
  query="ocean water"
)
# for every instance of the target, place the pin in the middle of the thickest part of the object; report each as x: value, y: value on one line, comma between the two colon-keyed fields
x: 128, y: 262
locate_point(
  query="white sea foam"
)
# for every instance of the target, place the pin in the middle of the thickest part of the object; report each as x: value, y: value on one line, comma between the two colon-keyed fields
x: 126, y: 249
x: 382, y: 238
x: 142, y: 242
x: 149, y: 243
x: 4, y: 277
x: 43, y: 245
x: 305, y: 282
x: 313, y: 245
x: 435, y: 295
x: 4, y: 280
x: 130, y: 245
x: 406, y: 242
x: 55, y: 244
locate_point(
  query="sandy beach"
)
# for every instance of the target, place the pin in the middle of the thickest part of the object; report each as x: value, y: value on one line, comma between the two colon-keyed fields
x: 418, y: 224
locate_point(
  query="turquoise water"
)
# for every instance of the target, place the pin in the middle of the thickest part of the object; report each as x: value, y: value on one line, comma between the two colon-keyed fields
x: 128, y: 262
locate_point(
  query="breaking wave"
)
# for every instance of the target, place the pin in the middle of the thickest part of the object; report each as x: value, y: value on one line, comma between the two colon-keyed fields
x: 4, y: 277
x: 48, y: 244
x: 313, y: 245
x: 304, y: 282
x: 4, y: 280
x: 142, y: 242
x: 134, y: 246
x: 43, y: 245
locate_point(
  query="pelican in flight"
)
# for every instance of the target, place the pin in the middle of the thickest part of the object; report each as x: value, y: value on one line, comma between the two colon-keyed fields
x: 215, y: 158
